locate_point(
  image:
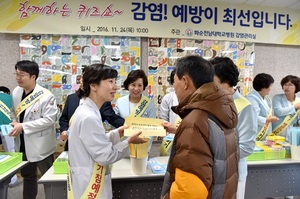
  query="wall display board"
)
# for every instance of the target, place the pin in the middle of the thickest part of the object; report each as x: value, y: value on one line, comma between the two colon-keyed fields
x: 62, y: 57
x: 162, y: 54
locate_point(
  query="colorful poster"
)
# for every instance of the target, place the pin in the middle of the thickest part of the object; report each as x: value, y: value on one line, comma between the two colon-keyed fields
x: 163, y: 52
x: 194, y: 19
x: 62, y: 57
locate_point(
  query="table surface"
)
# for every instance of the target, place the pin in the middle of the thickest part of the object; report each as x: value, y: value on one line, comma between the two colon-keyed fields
x: 122, y: 169
x: 12, y: 170
x: 273, y: 162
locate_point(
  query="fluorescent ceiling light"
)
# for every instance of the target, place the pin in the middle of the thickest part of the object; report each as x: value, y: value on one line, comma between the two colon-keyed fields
x: 55, y: 71
x: 70, y: 63
x: 26, y: 45
x: 227, y: 51
x: 111, y: 46
x: 189, y: 48
x: 54, y: 57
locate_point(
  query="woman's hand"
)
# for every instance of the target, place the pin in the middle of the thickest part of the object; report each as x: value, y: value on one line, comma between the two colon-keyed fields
x: 272, y: 119
x: 135, y: 139
x: 64, y: 135
x: 297, y: 105
x: 121, y: 129
x: 16, y: 130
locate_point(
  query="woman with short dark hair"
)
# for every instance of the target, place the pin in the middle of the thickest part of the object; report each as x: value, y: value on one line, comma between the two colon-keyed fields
x: 259, y: 98
x: 286, y: 105
x: 136, y: 104
x: 91, y: 150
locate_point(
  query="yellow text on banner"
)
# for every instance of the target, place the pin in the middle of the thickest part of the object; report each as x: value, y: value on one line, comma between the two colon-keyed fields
x: 148, y: 126
x: 264, y: 24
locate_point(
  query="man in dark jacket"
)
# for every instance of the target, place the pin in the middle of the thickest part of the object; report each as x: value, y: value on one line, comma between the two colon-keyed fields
x: 203, y: 161
x: 72, y: 102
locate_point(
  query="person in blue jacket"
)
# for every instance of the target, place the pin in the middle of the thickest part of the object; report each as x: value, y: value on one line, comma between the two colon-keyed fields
x: 286, y: 106
x: 136, y: 104
x: 259, y: 98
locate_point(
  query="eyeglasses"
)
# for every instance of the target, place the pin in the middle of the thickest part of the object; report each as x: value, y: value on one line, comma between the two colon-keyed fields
x: 288, y: 85
x: 18, y: 75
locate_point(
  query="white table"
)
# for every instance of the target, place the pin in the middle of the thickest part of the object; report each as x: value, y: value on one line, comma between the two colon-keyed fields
x: 265, y: 179
x: 55, y: 184
x: 5, y: 178
x: 124, y: 182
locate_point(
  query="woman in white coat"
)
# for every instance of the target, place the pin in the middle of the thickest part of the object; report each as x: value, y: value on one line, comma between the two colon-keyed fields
x: 168, y: 101
x: 91, y: 150
x: 259, y: 98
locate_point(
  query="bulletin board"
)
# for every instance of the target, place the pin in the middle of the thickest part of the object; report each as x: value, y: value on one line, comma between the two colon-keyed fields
x: 163, y: 52
x: 62, y: 57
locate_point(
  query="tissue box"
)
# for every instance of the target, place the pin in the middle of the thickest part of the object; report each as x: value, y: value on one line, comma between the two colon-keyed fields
x: 10, y: 161
x: 295, y: 152
x: 60, y: 165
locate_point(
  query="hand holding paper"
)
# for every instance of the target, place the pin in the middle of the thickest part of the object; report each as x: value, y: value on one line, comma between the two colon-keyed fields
x: 121, y: 129
x: 135, y: 139
x: 171, y: 128
x: 148, y: 126
x: 16, y: 130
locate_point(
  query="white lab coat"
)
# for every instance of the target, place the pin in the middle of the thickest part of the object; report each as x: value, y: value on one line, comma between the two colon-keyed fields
x: 165, y: 111
x: 88, y: 143
x: 38, y: 125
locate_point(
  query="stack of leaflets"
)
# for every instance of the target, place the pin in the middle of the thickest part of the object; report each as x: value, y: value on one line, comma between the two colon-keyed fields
x: 4, y: 157
x: 156, y: 166
x: 63, y: 157
x: 5, y: 129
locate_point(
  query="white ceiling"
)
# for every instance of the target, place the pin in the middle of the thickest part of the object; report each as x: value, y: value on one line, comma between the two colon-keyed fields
x: 290, y: 4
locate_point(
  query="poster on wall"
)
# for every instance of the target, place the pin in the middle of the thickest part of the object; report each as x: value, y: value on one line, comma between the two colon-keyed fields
x: 163, y: 52
x: 62, y: 57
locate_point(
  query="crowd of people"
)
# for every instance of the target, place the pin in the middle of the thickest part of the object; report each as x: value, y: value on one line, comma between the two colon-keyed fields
x: 214, y: 127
